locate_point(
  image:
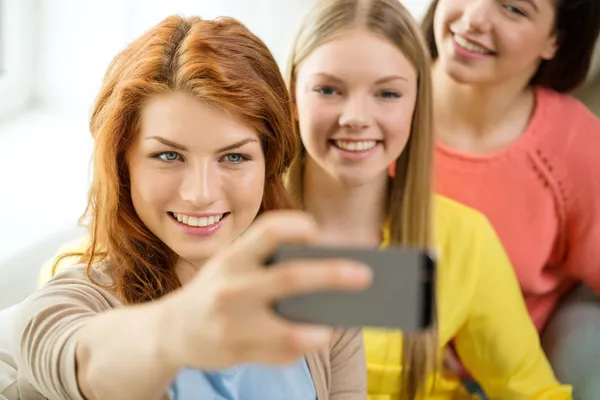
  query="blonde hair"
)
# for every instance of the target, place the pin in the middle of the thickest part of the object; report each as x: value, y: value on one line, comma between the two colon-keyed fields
x: 411, y: 188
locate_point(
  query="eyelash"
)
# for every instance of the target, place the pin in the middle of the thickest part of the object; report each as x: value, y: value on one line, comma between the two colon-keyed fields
x: 321, y: 89
x: 159, y: 157
x: 386, y: 94
x: 511, y: 8
x: 393, y: 94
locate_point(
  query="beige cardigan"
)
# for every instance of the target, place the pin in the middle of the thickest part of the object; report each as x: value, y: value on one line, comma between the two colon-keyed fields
x: 44, y: 344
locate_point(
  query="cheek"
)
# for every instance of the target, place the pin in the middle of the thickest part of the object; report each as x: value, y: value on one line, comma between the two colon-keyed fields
x: 245, y: 187
x: 151, y: 188
x: 444, y: 14
x: 438, y: 24
x: 397, y: 124
x: 521, y: 45
x: 316, y: 121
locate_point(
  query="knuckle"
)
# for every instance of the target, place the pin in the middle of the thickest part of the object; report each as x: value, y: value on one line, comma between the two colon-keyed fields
x: 288, y: 278
x: 275, y: 223
x: 270, y: 228
x: 267, y: 222
x: 223, y: 299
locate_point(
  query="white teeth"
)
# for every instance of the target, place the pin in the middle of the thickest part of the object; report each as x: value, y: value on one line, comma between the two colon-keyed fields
x: 198, y: 221
x: 462, y: 42
x: 355, y: 145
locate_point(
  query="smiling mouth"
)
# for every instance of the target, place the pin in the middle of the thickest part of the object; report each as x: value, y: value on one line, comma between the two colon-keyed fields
x: 197, y: 222
x: 354, y: 146
x: 470, y: 46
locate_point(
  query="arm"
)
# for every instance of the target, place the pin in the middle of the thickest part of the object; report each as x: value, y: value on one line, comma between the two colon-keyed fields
x: 348, y: 367
x: 69, y: 343
x: 582, y: 163
x: 498, y: 343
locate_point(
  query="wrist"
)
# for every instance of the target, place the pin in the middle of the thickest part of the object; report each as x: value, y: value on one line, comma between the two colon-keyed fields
x: 161, y: 326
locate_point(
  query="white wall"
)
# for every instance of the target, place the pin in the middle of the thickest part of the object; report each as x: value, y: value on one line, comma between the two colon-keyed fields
x: 78, y: 39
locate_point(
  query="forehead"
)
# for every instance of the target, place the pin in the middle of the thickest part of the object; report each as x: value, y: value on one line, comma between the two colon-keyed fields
x: 181, y: 116
x: 359, y: 54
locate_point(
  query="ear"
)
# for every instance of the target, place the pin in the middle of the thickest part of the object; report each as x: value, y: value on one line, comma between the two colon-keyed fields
x: 551, y: 47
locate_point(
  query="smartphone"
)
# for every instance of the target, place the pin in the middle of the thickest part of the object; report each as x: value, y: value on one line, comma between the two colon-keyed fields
x: 401, y: 295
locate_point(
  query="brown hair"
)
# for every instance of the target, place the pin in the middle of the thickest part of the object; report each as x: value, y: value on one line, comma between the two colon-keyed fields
x: 411, y: 189
x: 218, y: 61
x: 577, y: 25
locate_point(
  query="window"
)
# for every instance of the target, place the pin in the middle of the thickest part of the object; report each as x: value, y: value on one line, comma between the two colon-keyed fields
x: 17, y: 33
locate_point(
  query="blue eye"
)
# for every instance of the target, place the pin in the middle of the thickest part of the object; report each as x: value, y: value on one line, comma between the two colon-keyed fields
x: 236, y: 158
x: 168, y: 156
x: 514, y: 10
x: 389, y: 94
x: 326, y: 90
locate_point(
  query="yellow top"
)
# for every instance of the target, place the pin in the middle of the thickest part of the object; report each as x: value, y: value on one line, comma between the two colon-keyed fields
x: 480, y: 306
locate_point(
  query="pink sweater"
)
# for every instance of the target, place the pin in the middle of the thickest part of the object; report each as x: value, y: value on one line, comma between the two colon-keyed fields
x: 542, y: 195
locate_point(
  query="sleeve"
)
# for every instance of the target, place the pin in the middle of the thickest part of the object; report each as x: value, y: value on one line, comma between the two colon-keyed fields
x: 499, y: 343
x: 348, y: 367
x: 44, y: 334
x: 582, y: 161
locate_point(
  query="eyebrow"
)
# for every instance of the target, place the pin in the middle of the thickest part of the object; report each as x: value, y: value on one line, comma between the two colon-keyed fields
x: 381, y: 80
x: 181, y: 147
x: 391, y: 78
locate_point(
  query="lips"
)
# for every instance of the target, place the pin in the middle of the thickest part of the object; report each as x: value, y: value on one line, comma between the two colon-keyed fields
x: 193, y: 221
x: 471, y: 45
x: 355, y: 145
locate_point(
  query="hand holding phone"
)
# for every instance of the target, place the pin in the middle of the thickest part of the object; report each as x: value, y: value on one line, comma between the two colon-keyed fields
x: 401, y: 296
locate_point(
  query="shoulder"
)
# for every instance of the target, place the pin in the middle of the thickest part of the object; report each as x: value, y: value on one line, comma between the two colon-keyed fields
x: 73, y: 290
x: 463, y: 237
x: 567, y: 147
x: 566, y: 116
x: 456, y: 223
x: 96, y: 276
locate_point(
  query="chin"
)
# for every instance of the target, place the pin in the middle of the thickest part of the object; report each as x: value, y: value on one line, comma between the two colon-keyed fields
x: 195, y: 255
x: 461, y: 74
x: 353, y: 180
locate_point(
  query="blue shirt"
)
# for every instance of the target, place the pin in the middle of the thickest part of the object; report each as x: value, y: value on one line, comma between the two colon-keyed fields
x: 246, y: 382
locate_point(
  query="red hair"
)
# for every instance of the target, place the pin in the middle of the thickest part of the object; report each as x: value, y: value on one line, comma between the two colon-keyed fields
x: 218, y: 61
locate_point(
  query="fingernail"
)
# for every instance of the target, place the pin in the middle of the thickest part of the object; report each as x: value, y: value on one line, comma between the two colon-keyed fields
x: 357, y: 271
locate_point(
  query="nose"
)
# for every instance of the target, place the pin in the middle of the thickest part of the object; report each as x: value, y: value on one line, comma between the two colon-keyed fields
x: 355, y: 114
x: 201, y: 184
x: 477, y: 15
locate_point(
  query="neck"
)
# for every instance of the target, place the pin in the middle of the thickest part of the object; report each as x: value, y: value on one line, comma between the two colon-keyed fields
x: 186, y: 270
x: 345, y: 214
x: 476, y: 109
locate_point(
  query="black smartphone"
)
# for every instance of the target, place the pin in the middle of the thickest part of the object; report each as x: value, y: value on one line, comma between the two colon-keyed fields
x: 401, y: 296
